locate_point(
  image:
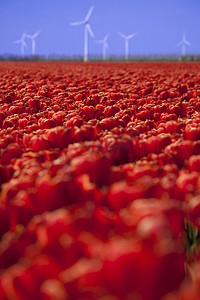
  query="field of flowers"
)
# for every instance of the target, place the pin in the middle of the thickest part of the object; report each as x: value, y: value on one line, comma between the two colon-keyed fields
x: 99, y: 181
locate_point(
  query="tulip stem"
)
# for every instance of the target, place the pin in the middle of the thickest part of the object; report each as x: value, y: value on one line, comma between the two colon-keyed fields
x: 192, y: 241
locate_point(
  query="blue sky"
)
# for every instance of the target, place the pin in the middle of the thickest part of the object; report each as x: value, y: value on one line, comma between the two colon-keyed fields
x: 159, y: 25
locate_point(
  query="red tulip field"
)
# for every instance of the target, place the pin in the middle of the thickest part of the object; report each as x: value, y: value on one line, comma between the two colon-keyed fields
x: 99, y: 181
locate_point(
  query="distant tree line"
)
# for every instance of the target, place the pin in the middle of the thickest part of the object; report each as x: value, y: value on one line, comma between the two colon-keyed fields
x: 79, y: 58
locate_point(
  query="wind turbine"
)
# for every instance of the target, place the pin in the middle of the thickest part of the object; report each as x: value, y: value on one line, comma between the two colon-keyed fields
x: 87, y: 29
x: 183, y: 43
x: 33, y: 37
x: 105, y: 44
x: 127, y: 38
x: 22, y: 42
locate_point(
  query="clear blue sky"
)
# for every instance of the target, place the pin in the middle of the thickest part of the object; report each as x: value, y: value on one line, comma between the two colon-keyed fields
x: 159, y: 25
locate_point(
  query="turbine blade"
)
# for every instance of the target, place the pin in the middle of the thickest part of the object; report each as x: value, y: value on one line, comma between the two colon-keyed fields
x: 23, y: 35
x: 106, y: 37
x: 77, y: 23
x: 188, y: 43
x: 131, y: 35
x: 89, y: 13
x: 89, y: 30
x: 179, y: 44
x: 36, y: 34
x: 29, y: 36
x: 122, y: 35
x: 17, y: 42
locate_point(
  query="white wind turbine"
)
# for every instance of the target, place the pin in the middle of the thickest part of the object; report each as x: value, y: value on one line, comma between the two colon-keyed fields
x: 22, y: 42
x: 105, y: 44
x: 87, y: 29
x: 33, y: 37
x: 127, y: 38
x: 183, y: 43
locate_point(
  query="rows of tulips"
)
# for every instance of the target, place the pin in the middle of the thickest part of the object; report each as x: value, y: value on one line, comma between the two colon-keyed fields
x: 99, y: 181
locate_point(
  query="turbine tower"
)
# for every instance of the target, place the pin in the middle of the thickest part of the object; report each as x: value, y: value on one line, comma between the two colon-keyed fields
x: 22, y: 42
x: 105, y: 45
x: 87, y: 29
x: 127, y: 38
x: 183, y: 43
x: 33, y: 37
